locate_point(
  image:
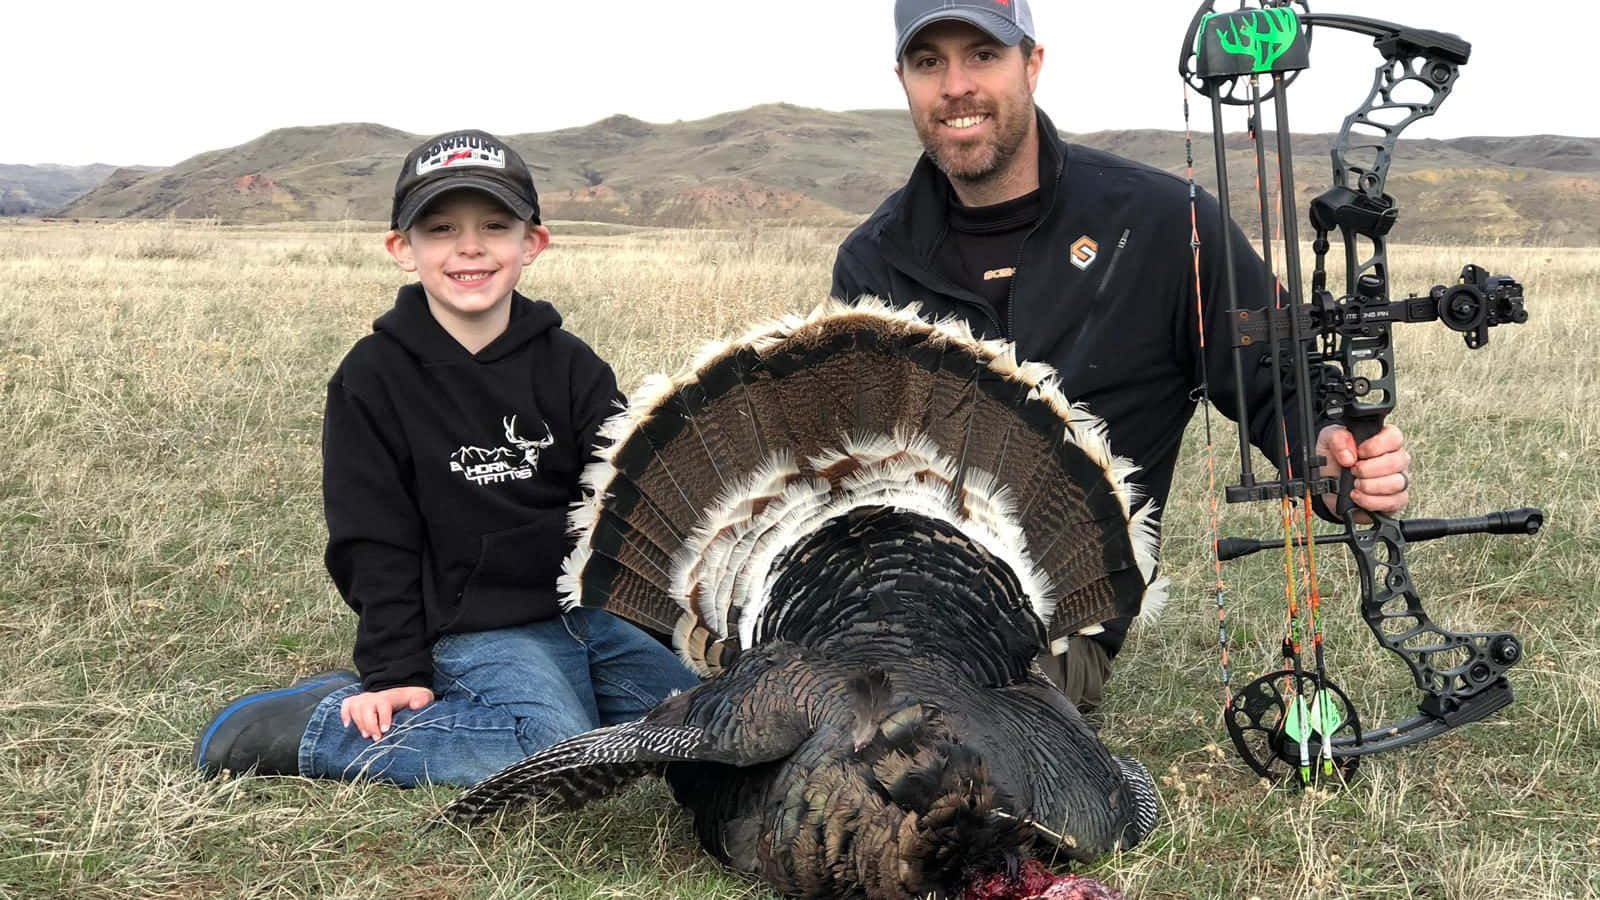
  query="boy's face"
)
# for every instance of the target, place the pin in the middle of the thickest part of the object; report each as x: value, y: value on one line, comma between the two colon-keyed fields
x: 468, y: 251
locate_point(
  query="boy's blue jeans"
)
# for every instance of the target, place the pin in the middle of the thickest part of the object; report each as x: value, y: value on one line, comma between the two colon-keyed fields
x: 501, y: 696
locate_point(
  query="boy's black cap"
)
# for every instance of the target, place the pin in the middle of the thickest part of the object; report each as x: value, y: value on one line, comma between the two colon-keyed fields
x: 463, y: 159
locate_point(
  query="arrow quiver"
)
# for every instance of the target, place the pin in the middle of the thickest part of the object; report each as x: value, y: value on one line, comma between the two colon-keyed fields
x: 1336, y: 350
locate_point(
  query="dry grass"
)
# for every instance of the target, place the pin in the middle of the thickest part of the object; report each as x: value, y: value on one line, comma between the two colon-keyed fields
x: 160, y: 543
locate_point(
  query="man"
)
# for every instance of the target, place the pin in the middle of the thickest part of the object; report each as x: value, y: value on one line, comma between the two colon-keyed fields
x: 1080, y: 257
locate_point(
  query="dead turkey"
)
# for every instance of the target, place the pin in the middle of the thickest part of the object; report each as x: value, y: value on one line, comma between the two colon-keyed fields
x: 861, y: 528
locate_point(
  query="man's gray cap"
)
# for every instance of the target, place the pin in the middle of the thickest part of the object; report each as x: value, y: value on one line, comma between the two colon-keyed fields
x: 1007, y: 21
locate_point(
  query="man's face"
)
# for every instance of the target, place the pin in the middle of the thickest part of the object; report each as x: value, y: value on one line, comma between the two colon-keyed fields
x: 971, y: 98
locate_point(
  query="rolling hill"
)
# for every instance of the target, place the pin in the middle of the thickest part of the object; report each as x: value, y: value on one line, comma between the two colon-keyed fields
x: 790, y: 163
x: 33, y: 190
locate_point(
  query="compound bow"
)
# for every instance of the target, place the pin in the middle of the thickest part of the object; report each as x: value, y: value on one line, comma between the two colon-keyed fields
x: 1336, y: 352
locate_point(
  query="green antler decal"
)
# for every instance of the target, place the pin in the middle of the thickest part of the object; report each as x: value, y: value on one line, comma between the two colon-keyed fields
x: 1264, y: 35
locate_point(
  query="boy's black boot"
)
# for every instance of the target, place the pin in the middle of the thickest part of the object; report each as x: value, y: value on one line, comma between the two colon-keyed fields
x: 262, y: 731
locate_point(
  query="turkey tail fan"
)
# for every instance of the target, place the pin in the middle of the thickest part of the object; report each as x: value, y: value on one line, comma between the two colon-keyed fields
x: 711, y: 477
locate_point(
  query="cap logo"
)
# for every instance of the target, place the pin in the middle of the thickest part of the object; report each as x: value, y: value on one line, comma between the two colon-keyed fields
x: 460, y: 151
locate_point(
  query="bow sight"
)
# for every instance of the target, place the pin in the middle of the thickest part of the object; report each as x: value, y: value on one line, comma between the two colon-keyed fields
x: 1473, y: 305
x: 1336, y: 353
x: 1478, y: 302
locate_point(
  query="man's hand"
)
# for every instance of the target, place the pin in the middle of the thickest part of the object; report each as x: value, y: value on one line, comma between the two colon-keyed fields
x: 371, y: 712
x: 1381, y: 465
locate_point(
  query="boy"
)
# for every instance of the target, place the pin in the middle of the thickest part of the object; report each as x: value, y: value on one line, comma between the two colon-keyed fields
x: 452, y: 445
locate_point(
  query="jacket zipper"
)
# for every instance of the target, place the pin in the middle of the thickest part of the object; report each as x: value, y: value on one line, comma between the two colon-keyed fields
x: 1011, y: 294
x: 1044, y: 213
x: 1111, y: 267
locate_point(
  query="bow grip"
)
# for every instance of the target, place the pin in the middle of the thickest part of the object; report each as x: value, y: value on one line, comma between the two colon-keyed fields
x: 1361, y: 429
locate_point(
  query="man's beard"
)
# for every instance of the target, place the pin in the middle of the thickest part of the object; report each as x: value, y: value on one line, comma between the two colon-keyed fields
x: 964, y: 162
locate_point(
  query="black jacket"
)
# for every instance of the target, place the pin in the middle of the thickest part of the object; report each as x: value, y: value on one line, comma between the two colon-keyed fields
x: 1121, y: 328
x: 447, y: 477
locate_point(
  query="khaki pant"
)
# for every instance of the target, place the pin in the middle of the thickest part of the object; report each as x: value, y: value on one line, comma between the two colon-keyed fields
x: 1081, y: 673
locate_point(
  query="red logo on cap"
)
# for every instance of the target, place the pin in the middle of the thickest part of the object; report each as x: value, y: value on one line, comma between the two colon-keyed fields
x: 467, y: 154
x: 1003, y: 2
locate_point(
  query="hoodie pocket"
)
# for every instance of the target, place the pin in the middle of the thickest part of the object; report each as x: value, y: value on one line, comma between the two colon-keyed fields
x: 514, y: 581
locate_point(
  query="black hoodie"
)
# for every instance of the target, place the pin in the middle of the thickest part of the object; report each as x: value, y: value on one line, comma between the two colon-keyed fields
x: 1119, y: 326
x: 447, y: 476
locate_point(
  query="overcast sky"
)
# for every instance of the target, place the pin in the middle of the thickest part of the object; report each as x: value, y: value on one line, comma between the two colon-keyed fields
x: 156, y: 82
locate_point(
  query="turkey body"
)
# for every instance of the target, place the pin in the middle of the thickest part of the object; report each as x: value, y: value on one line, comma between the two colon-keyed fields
x: 942, y: 789
x: 862, y: 529
x: 888, y: 737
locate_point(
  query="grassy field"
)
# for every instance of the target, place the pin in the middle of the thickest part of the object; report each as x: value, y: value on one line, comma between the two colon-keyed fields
x: 160, y: 552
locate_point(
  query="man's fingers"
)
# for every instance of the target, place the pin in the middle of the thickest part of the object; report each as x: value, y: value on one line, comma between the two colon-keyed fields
x: 1379, y: 503
x: 1338, y: 445
x: 1386, y: 494
x: 1385, y: 486
x: 1387, y: 440
x: 1379, y: 467
x: 1344, y: 448
x: 344, y: 711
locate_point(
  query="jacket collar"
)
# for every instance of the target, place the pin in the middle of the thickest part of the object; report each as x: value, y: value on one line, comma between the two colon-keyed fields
x: 919, y: 220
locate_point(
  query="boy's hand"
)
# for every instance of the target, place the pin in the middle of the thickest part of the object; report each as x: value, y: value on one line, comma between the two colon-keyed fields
x: 371, y: 712
x: 1381, y: 465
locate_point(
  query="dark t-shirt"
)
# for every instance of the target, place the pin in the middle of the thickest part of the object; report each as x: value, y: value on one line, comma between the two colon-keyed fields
x: 983, y: 247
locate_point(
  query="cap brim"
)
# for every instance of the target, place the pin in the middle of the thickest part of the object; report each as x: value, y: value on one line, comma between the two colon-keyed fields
x: 995, y: 25
x: 420, y: 198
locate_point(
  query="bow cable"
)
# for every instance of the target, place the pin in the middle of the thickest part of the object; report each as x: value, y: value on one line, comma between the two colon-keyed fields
x: 1202, y: 396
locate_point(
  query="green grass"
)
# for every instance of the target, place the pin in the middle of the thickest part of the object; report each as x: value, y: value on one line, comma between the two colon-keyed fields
x: 160, y: 543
